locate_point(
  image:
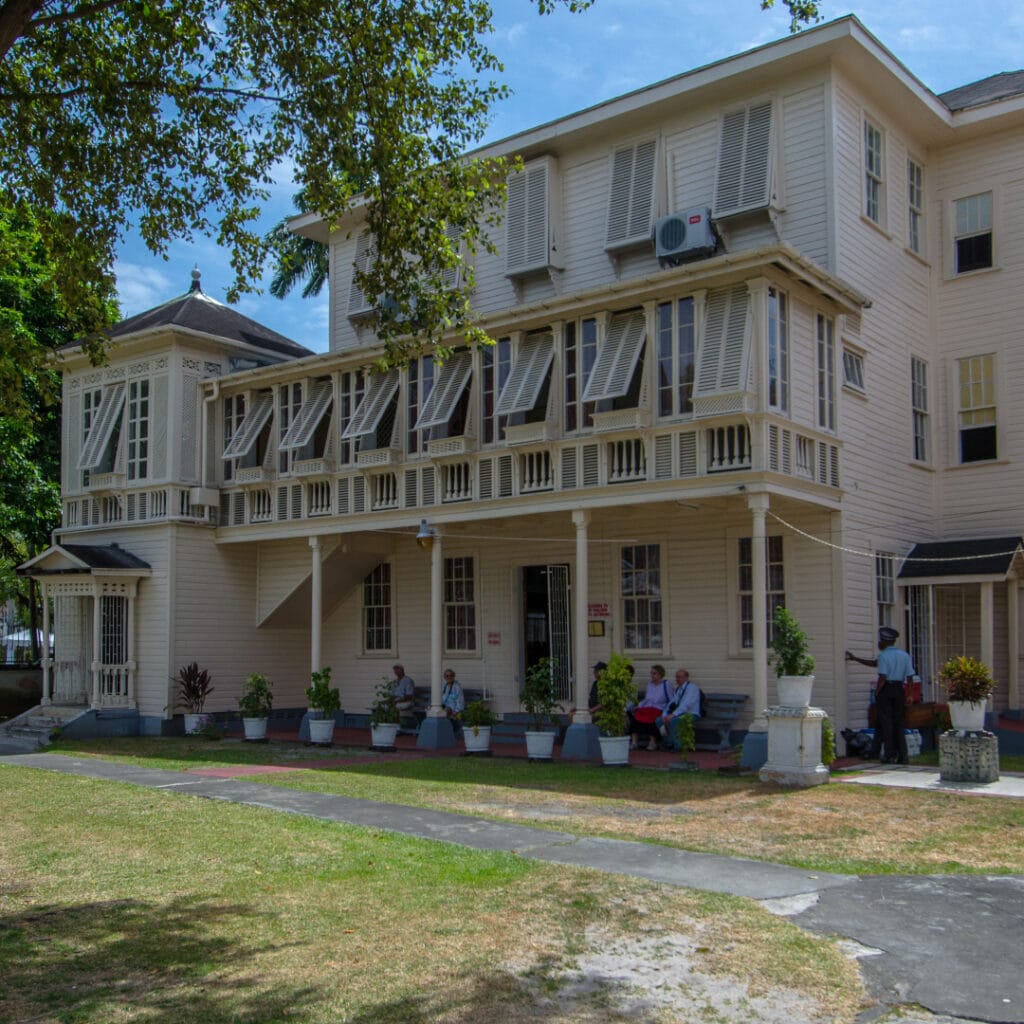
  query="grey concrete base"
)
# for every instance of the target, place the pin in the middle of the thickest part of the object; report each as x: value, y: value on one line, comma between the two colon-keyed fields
x: 755, y: 750
x: 435, y: 734
x: 581, y: 743
x: 968, y: 757
x: 783, y: 776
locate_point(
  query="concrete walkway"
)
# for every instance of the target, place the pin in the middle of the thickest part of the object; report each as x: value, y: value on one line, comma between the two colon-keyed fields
x: 948, y: 943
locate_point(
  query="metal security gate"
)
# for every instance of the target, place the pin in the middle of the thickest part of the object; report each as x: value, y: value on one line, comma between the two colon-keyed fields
x: 547, y: 622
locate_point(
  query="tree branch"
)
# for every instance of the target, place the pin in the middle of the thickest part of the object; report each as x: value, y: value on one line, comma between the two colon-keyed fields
x: 78, y: 14
x: 15, y: 20
x: 144, y: 84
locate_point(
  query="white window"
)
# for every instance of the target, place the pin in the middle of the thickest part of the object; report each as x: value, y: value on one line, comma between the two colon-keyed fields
x: 420, y: 384
x: 579, y: 355
x: 723, y: 358
x: 449, y: 387
x: 529, y: 374
x: 319, y: 396
x: 351, y: 388
x: 495, y: 367
x: 377, y: 609
x: 92, y: 399
x: 631, y: 196
x: 919, y: 405
x: 677, y: 349
x: 244, y: 435
x: 775, y: 585
x: 972, y: 239
x: 376, y: 407
x: 874, y: 180
x: 640, y: 580
x: 778, y: 351
x: 138, y: 429
x: 459, y: 605
x: 853, y: 369
x: 915, y: 206
x: 617, y: 358
x: 105, y: 424
x: 528, y: 218
x: 359, y: 305
x: 289, y: 402
x: 826, y: 368
x: 977, y: 413
x: 744, y: 178
x: 885, y: 588
x: 234, y: 417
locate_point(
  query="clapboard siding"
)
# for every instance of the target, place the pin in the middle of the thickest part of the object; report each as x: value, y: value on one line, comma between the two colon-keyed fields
x: 805, y: 177
x: 281, y: 567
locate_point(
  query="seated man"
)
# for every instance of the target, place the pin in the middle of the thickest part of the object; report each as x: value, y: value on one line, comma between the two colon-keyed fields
x: 403, y: 689
x: 452, y: 699
x: 685, y: 700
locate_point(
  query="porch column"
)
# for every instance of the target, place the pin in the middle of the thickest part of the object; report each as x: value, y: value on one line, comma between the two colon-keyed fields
x: 97, y: 641
x: 755, y: 746
x: 316, y: 607
x: 988, y: 625
x: 436, y: 731
x: 131, y: 666
x: 1013, y: 643
x: 47, y: 660
x: 581, y: 738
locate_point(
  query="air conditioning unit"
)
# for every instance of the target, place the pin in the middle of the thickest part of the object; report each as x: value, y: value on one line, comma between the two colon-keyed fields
x: 685, y: 236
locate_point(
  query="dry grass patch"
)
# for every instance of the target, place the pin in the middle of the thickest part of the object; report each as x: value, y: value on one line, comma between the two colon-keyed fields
x: 128, y: 905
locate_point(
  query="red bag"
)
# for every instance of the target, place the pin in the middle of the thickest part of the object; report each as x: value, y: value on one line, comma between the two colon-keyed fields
x: 647, y: 716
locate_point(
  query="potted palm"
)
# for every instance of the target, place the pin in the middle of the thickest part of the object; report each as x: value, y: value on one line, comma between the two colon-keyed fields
x: 969, y: 684
x: 615, y: 692
x: 325, y: 700
x: 194, y: 686
x: 538, y: 699
x: 794, y: 666
x: 255, y: 705
x: 477, y: 720
x: 384, y: 717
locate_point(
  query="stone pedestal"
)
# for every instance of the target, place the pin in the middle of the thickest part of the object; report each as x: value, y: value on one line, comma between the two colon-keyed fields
x: 968, y: 757
x: 794, y: 747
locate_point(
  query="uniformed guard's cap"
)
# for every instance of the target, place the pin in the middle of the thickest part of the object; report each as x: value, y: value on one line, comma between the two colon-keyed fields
x: 600, y: 666
x: 887, y: 633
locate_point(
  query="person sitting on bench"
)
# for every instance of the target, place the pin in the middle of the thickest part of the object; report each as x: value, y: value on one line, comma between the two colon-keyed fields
x: 643, y: 716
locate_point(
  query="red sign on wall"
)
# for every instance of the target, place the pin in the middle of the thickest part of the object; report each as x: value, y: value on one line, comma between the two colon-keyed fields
x: 598, y: 610
x: 493, y: 639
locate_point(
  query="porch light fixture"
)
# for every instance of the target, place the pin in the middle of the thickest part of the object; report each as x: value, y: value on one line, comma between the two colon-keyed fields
x: 425, y: 538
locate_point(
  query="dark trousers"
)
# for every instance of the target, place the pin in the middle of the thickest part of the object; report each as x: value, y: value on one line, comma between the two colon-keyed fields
x: 890, y: 723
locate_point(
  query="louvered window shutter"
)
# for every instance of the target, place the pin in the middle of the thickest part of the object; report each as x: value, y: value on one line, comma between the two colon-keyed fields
x: 723, y: 353
x: 453, y: 275
x: 381, y: 390
x: 255, y: 420
x: 446, y: 392
x: 617, y: 357
x: 308, y: 417
x: 523, y: 387
x: 358, y: 304
x: 744, y: 160
x: 526, y: 219
x: 631, y: 197
x: 102, y: 427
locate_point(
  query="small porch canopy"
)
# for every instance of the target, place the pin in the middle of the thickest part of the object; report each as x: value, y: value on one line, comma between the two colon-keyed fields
x: 94, y: 665
x: 987, y: 562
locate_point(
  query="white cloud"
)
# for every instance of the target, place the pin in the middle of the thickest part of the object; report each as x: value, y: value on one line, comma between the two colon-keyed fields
x: 140, y: 288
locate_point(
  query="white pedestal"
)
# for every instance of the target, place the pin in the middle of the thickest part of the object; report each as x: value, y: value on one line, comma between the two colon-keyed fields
x: 794, y: 747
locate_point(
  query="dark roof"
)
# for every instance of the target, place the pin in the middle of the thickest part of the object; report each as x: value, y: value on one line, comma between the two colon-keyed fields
x: 105, y: 556
x: 196, y: 311
x: 988, y: 90
x: 990, y: 556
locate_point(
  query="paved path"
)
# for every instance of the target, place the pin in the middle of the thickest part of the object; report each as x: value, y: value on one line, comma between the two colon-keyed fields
x: 949, y: 943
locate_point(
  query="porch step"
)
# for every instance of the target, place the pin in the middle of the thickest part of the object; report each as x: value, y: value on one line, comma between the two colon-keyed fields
x: 34, y: 727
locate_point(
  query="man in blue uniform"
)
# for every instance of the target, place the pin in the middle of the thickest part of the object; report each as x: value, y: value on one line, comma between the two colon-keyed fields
x: 895, y: 670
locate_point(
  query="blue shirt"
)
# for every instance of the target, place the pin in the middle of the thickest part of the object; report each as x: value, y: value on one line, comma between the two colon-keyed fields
x: 895, y: 664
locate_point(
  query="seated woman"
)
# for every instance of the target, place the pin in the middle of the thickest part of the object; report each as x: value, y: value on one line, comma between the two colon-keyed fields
x: 644, y: 716
x: 452, y: 699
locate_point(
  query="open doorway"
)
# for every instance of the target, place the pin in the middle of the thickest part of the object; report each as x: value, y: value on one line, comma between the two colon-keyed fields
x: 547, y: 621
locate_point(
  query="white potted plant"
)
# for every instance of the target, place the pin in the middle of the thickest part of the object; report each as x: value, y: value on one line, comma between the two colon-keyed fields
x: 194, y: 686
x: 477, y: 721
x: 969, y: 685
x: 384, y: 717
x: 255, y: 705
x: 324, y: 699
x: 538, y: 700
x: 794, y: 666
x: 615, y: 692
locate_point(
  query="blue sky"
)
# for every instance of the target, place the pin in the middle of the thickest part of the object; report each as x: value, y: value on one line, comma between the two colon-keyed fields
x: 562, y: 63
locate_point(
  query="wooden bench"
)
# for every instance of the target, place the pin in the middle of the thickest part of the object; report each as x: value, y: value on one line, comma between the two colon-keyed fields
x: 722, y: 711
x: 421, y: 704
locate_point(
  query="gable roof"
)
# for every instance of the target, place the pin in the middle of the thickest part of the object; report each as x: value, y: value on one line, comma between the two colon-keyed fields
x: 198, y: 312
x: 986, y: 90
x: 78, y: 558
x: 987, y: 556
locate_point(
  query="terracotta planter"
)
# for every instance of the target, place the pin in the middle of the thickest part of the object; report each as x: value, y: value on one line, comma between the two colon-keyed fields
x: 321, y: 730
x: 614, y: 749
x: 967, y: 716
x: 795, y: 691
x: 478, y: 740
x: 383, y: 736
x: 255, y: 728
x: 540, y: 746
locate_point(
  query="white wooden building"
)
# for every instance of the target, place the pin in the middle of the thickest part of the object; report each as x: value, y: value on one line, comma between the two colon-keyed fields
x: 766, y: 306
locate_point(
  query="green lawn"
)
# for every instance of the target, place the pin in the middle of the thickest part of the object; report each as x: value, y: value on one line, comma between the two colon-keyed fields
x: 123, y: 904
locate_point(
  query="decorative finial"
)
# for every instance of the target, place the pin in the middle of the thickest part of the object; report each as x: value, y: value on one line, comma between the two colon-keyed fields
x: 195, y: 286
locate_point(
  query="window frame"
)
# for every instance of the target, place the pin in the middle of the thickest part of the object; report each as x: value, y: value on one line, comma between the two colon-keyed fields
x: 383, y: 629
x: 579, y: 354
x: 874, y: 173
x: 106, y: 424
x: 987, y: 382
x: 630, y: 598
x: 777, y: 362
x: 915, y: 206
x: 853, y: 369
x: 456, y: 606
x: 971, y: 232
x: 920, y: 418
x: 825, y: 372
x: 741, y: 574
x: 885, y: 589
x: 138, y: 407
x: 676, y: 328
x: 495, y: 367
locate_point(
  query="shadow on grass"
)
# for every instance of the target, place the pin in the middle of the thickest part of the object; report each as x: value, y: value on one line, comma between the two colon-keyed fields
x: 81, y: 962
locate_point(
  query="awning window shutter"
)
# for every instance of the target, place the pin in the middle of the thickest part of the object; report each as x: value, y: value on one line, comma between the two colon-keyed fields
x: 446, y: 392
x: 523, y: 387
x: 309, y: 415
x: 249, y: 429
x: 453, y: 275
x: 526, y: 219
x: 723, y: 354
x: 380, y: 391
x: 102, y: 427
x: 631, y: 198
x: 358, y: 304
x: 744, y: 160
x: 617, y: 357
